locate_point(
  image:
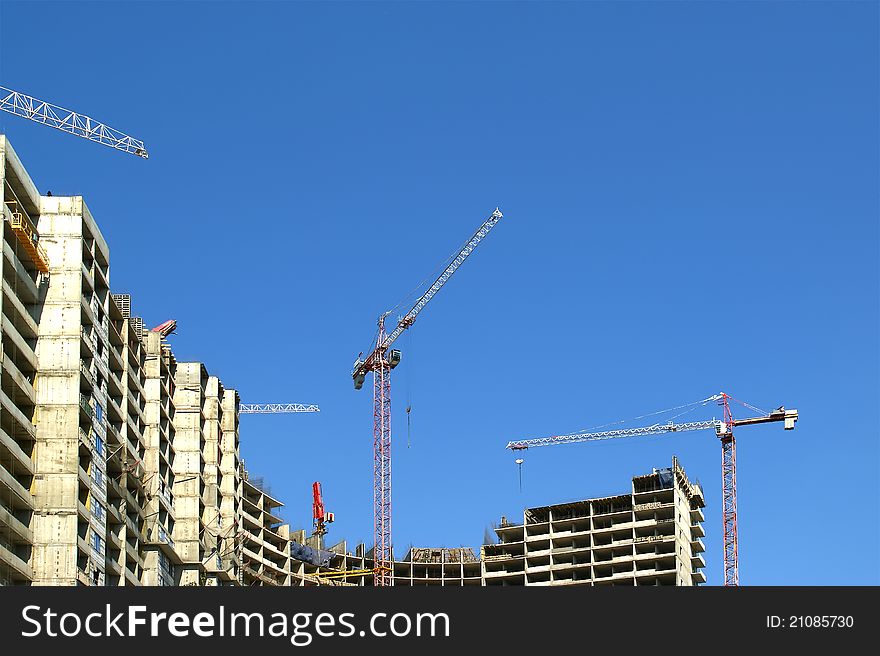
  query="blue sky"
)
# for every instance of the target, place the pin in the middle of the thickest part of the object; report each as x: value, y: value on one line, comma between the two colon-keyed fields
x: 691, y: 205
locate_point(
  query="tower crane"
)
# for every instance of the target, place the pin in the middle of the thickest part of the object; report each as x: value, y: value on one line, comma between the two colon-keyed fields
x: 69, y: 121
x: 381, y: 360
x: 723, y: 429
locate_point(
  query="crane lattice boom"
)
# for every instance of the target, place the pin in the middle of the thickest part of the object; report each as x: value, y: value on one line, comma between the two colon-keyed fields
x: 69, y: 121
x: 654, y: 429
x: 409, y: 318
x: 274, y: 408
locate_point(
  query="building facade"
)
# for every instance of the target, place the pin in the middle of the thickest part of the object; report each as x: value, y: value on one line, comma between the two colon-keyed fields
x: 647, y: 536
x: 24, y: 275
x: 265, y: 537
x: 96, y: 465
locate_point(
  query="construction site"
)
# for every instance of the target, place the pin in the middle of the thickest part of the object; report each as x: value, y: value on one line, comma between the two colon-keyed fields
x: 121, y: 465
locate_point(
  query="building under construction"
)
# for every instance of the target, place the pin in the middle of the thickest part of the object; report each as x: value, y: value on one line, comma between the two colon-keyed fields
x: 648, y: 535
x: 121, y: 466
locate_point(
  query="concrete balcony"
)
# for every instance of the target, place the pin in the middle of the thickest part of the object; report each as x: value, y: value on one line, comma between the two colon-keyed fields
x: 20, y: 344
x: 697, y: 562
x: 697, y: 546
x: 115, y: 335
x: 24, y: 387
x: 19, y: 568
x: 22, y: 319
x: 22, y: 462
x: 113, y: 540
x: 538, y: 552
x: 85, y: 406
x: 504, y: 572
x: 114, y: 517
x: 698, y: 576
x: 82, y: 578
x: 88, y: 276
x: 537, y: 569
x: 115, y: 359
x: 24, y: 285
x: 132, y: 554
x: 101, y: 328
x: 17, y: 414
x: 86, y: 374
x: 165, y: 497
x: 613, y: 576
x: 86, y: 306
x: 16, y: 532
x: 88, y: 342
x: 131, y: 578
x: 112, y: 566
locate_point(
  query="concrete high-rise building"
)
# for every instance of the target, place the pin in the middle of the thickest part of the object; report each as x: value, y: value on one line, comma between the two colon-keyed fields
x: 265, y: 537
x: 89, y: 481
x: 126, y: 425
x: 160, y: 555
x: 22, y: 279
x: 206, y: 546
x: 70, y: 483
x: 649, y: 535
x: 96, y: 464
x: 230, y: 485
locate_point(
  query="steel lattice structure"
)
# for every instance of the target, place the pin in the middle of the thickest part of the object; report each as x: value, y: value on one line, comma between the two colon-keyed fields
x: 69, y: 121
x: 382, y: 551
x: 274, y: 408
x: 728, y: 497
x: 654, y: 429
x: 410, y: 317
x: 724, y: 431
x: 381, y: 361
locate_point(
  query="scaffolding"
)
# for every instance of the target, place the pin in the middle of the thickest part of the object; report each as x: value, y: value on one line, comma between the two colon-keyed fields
x: 27, y: 236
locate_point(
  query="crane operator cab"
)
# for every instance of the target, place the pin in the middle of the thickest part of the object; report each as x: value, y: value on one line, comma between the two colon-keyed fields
x: 392, y: 357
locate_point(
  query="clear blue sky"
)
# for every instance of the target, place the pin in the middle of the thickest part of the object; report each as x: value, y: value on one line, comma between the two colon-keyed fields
x: 691, y: 205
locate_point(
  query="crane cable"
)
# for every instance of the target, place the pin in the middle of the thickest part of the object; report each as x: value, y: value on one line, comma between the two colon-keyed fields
x: 414, y: 295
x: 686, y: 408
x: 410, y: 369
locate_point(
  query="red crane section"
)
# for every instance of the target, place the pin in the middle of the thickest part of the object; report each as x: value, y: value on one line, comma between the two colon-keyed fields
x: 317, y: 503
x: 321, y: 517
x: 165, y: 328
